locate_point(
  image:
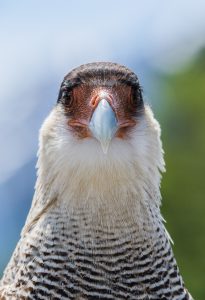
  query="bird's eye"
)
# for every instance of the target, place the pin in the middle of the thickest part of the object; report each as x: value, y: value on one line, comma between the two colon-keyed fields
x: 65, y: 95
x: 133, y: 99
x: 136, y: 97
x: 67, y: 98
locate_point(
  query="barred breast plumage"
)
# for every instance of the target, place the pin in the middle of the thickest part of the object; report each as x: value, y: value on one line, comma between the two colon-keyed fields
x: 95, y: 230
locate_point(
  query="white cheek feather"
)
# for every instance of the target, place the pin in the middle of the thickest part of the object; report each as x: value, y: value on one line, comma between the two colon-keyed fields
x: 121, y: 185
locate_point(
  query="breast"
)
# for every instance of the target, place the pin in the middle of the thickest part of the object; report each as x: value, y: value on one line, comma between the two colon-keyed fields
x: 73, y: 260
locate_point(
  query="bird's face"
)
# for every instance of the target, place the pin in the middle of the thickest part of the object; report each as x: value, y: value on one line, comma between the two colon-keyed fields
x: 100, y: 111
x: 101, y: 103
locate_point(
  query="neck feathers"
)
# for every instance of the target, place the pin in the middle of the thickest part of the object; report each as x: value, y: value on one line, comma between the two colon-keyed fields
x: 122, y: 186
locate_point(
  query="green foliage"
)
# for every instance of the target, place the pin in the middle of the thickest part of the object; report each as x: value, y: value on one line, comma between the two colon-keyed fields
x: 183, y: 186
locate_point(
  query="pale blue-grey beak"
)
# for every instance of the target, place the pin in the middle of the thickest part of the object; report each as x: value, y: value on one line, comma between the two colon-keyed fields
x: 103, y: 124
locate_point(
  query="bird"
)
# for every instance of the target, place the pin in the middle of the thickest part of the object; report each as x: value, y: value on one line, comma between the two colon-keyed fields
x: 94, y: 229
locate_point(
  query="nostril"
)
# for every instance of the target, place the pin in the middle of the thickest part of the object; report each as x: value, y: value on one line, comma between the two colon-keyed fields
x: 94, y: 101
x: 101, y: 95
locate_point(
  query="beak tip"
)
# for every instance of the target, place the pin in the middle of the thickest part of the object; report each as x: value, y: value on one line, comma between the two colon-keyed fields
x: 105, y: 146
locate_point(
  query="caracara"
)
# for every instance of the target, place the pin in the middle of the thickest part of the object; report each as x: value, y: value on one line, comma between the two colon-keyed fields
x: 94, y: 230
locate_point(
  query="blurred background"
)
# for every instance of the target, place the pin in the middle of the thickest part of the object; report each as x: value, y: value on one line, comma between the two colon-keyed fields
x: 164, y: 43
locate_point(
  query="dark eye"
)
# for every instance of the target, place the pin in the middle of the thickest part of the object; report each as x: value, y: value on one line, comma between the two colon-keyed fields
x: 66, y: 91
x: 136, y: 97
x: 67, y: 98
x: 65, y: 94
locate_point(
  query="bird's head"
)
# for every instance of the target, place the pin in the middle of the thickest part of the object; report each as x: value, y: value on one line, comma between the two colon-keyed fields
x: 100, y: 123
x: 101, y: 101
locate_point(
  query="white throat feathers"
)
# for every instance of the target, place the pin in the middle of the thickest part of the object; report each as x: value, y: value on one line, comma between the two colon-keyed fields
x: 121, y: 187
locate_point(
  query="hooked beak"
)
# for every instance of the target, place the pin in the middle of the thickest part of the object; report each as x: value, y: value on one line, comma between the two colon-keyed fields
x: 103, y: 124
